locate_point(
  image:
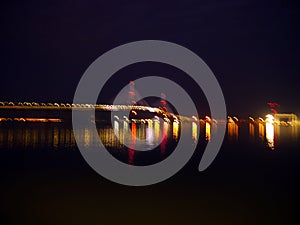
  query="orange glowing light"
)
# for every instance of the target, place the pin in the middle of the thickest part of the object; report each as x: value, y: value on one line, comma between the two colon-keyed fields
x: 207, y: 131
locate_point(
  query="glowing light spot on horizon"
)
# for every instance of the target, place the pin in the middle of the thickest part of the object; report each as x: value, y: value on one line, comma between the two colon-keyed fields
x: 207, y: 118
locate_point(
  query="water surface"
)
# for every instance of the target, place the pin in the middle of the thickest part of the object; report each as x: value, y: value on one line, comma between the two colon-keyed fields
x: 253, y: 180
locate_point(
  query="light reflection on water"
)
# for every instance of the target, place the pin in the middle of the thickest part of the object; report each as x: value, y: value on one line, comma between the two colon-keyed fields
x: 194, y: 131
x: 207, y: 131
x: 270, y: 133
x: 251, y: 130
x: 152, y: 133
x: 261, y: 131
x: 232, y: 131
x: 175, y: 130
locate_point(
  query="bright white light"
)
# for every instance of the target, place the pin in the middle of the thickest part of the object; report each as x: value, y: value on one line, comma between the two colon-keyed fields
x: 269, y: 119
x: 150, y: 109
x: 195, y: 118
x: 270, y: 135
x: 208, y: 118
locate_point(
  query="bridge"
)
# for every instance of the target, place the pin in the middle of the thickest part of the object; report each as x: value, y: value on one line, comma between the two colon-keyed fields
x: 50, y: 112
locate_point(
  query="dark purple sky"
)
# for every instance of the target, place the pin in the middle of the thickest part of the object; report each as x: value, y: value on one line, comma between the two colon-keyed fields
x: 251, y: 46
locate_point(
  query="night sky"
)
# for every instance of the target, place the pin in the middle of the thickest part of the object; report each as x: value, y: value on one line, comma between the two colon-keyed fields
x: 251, y: 46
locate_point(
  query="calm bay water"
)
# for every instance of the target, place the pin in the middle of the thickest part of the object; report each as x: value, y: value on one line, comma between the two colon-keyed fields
x: 45, y: 180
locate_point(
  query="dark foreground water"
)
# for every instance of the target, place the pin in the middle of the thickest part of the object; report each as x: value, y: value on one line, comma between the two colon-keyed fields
x: 45, y: 180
